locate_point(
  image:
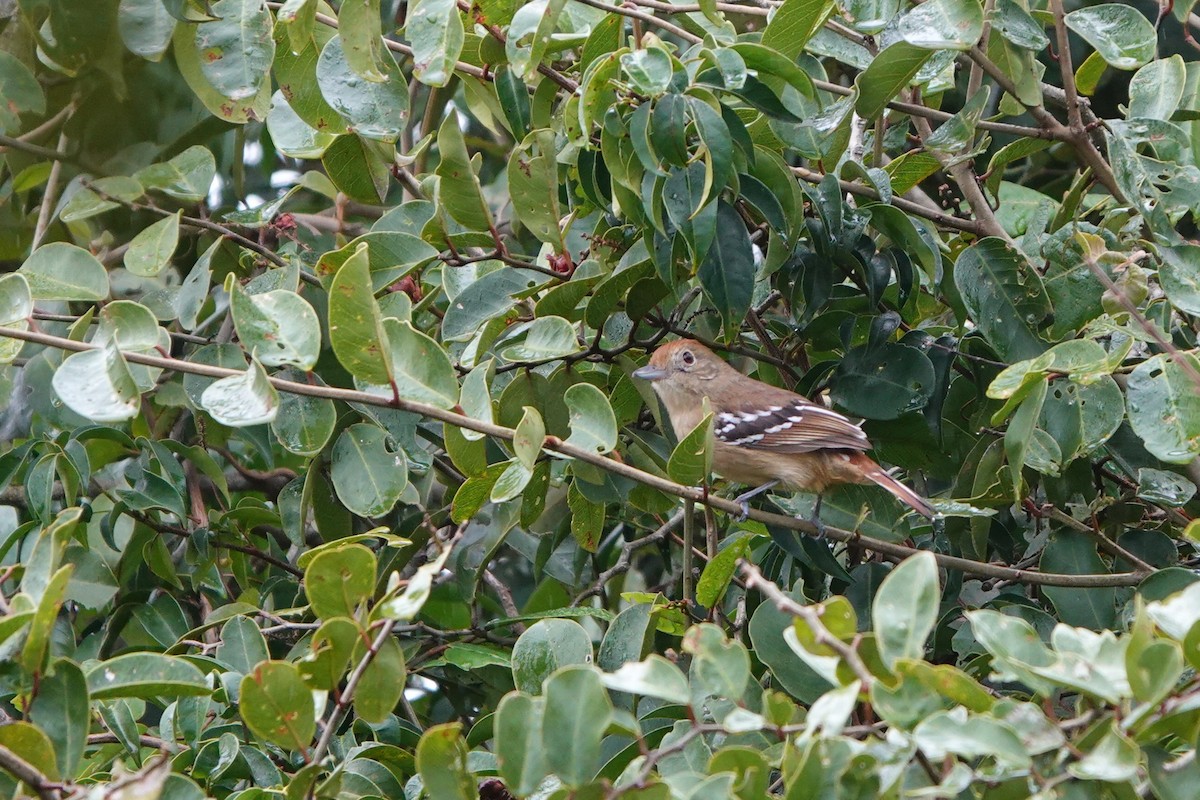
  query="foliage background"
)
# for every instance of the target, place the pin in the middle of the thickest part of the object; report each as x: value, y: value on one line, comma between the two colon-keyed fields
x: 324, y: 476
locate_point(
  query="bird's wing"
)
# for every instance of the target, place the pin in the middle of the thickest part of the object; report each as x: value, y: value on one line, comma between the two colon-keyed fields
x: 794, y: 425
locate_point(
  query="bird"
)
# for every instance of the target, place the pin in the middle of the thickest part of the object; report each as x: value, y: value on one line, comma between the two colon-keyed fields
x: 765, y: 436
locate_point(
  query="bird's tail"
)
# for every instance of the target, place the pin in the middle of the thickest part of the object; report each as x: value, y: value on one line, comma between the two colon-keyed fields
x: 878, y: 475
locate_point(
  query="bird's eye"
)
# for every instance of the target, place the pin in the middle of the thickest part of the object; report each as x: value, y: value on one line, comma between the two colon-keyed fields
x: 688, y: 358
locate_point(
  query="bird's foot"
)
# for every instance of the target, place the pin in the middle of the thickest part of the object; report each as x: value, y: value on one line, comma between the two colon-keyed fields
x: 821, y: 529
x: 815, y: 519
x: 744, y: 498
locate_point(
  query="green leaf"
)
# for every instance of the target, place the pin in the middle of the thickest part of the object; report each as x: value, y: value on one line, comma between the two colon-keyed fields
x: 953, y: 732
x: 883, y: 382
x: 587, y: 519
x: 768, y: 62
x: 332, y: 646
x: 16, y: 307
x: 186, y: 46
x: 442, y: 763
x: 888, y: 74
x: 475, y: 399
x: 242, y: 646
x: 391, y: 255
x: 871, y: 16
x: 375, y: 109
x: 147, y: 675
x: 546, y: 338
x: 519, y: 750
x: 546, y: 646
x: 436, y: 31
x: 304, y: 424
x: 1005, y: 297
x: 1120, y: 33
x: 691, y: 461
x: 1020, y: 433
x: 420, y: 369
x: 31, y: 744
x: 1164, y: 407
x: 654, y: 677
x: 358, y: 168
x: 905, y: 608
x: 1081, y: 416
x: 61, y: 271
x: 720, y: 668
x: 942, y: 24
x: 361, y: 30
x: 279, y: 328
x: 489, y: 297
x: 1114, y: 758
x: 727, y: 272
x: 1018, y: 26
x: 1156, y: 89
x: 61, y: 710
x: 356, y: 330
x: 299, y: 17
x: 151, y: 250
x: 649, y: 70
x: 236, y: 49
x: 459, y: 190
x: 339, y: 580
x: 382, y: 682
x: 186, y: 177
x: 1164, y: 488
x: 593, y: 424
x: 277, y: 706
x: 1073, y: 553
x: 97, y: 384
x: 369, y: 471
x: 510, y: 483
x: 718, y: 572
x: 242, y: 400
x: 528, y: 437
x: 529, y: 35
x: 533, y: 185
x: 794, y: 23
x: 21, y: 92
x: 93, y: 199
x: 292, y: 135
x: 1180, y: 275
x: 577, y: 712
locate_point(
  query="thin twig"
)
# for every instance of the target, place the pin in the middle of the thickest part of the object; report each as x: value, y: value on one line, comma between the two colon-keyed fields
x: 812, y: 618
x: 625, y: 560
x: 1105, y: 543
x: 49, y: 198
x: 343, y: 702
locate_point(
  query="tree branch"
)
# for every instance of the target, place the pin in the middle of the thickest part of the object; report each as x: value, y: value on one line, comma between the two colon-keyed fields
x: 557, y: 445
x: 28, y: 774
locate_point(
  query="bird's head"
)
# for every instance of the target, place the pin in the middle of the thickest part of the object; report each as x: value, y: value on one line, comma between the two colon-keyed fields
x: 683, y: 365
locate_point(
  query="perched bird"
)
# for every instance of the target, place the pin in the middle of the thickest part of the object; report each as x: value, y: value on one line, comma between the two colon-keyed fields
x: 765, y: 436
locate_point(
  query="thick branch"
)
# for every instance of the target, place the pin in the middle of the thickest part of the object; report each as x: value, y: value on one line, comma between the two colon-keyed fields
x: 28, y: 774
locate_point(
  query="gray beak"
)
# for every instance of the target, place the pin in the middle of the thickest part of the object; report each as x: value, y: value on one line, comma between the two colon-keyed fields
x: 648, y: 373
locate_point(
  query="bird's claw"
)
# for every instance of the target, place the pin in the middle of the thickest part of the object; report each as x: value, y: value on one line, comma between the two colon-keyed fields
x: 821, y: 529
x: 745, y: 514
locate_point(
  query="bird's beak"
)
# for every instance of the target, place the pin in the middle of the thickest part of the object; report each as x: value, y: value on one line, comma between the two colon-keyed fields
x: 649, y: 373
